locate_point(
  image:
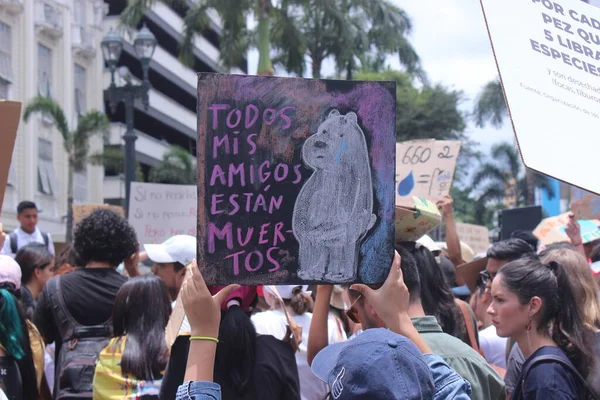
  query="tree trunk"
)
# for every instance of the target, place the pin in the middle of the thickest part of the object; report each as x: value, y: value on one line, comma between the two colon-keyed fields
x: 69, y: 237
x: 316, y: 67
x: 264, y: 41
x: 349, y: 69
x: 530, y: 187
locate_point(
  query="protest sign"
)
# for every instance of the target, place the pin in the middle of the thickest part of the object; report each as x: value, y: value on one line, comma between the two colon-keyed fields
x: 10, y: 114
x: 552, y: 230
x: 80, y: 211
x: 295, y: 180
x: 585, y: 205
x: 476, y: 236
x: 546, y: 53
x: 425, y: 168
x: 416, y: 219
x: 159, y: 211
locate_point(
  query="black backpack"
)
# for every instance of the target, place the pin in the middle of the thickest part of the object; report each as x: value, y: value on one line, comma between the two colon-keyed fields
x: 587, y: 392
x: 74, y: 377
x: 13, y: 241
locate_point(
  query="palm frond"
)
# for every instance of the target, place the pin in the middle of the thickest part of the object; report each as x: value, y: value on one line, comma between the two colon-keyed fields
x: 490, y: 105
x: 195, y: 22
x: 489, y: 173
x: 176, y: 167
x: 510, y: 154
x: 50, y: 108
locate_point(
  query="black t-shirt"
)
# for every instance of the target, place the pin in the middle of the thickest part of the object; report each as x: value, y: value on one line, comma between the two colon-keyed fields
x: 275, y: 372
x: 89, y: 294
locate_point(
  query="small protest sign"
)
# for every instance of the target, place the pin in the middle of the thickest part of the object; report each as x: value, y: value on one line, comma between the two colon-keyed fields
x: 10, y: 114
x: 416, y: 219
x: 585, y: 205
x: 425, y: 168
x: 80, y: 211
x: 476, y: 236
x: 546, y: 53
x: 159, y: 211
x: 552, y: 230
x: 295, y: 180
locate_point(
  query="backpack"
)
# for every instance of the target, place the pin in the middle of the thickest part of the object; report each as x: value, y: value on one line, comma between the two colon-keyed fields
x: 587, y: 392
x: 13, y: 241
x: 80, y: 348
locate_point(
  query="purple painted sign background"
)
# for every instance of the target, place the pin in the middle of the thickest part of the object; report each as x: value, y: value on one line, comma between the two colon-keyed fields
x: 282, y: 197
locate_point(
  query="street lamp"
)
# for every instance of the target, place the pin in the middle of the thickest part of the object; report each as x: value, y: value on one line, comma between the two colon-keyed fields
x: 112, y: 46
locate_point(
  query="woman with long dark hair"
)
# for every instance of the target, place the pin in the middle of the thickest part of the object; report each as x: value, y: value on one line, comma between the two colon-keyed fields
x: 37, y: 265
x: 534, y: 304
x: 437, y: 297
x: 135, y: 359
x: 19, y: 379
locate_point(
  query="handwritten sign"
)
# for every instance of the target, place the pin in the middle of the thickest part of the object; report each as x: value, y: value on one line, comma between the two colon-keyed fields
x: 425, y: 168
x: 294, y: 180
x: 552, y: 230
x: 476, y: 236
x: 80, y: 211
x: 584, y: 204
x: 159, y: 211
x: 546, y: 53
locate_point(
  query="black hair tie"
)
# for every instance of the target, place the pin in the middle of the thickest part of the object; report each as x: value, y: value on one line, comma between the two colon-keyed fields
x: 553, y: 266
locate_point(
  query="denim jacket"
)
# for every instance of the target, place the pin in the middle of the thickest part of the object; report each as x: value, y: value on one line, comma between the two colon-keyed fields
x: 448, y: 384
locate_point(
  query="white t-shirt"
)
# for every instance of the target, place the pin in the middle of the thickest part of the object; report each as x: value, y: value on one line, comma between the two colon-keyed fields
x: 493, y: 346
x: 273, y: 322
x: 24, y: 238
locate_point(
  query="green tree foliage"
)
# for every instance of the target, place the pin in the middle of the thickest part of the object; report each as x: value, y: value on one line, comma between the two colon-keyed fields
x: 75, y: 142
x: 177, y: 167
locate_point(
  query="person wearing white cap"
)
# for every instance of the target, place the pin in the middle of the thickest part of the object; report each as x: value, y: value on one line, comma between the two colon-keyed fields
x: 170, y: 259
x: 273, y: 322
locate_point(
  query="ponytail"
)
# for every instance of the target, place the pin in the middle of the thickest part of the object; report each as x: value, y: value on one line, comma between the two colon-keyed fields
x: 568, y: 328
x: 236, y: 353
x: 559, y: 316
x: 300, y: 301
x: 11, y: 332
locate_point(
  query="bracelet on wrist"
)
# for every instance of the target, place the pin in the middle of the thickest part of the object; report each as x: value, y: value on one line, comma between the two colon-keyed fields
x: 208, y: 338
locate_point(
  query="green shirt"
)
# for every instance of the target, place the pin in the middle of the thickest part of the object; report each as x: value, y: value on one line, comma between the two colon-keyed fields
x: 486, y: 384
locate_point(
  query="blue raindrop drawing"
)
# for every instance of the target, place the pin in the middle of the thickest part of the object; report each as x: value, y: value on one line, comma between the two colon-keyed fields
x: 406, y: 185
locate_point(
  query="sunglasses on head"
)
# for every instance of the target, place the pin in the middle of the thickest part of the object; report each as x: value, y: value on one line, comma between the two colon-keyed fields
x: 352, y: 313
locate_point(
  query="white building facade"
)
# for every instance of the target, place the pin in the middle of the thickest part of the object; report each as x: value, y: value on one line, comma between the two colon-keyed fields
x: 50, y: 48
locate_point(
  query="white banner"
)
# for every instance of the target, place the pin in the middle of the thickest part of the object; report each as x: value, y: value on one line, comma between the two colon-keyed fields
x: 547, y: 55
x: 158, y: 211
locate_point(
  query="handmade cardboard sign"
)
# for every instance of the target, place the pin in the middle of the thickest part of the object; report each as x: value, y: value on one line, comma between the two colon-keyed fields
x: 158, y: 211
x: 425, y: 168
x: 10, y: 114
x: 476, y: 236
x: 552, y: 230
x: 416, y: 219
x: 546, y: 53
x: 295, y: 180
x: 80, y: 211
x: 585, y: 205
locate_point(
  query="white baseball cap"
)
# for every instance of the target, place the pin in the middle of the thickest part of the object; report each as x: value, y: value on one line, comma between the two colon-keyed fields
x: 180, y: 248
x: 10, y: 271
x: 287, y: 291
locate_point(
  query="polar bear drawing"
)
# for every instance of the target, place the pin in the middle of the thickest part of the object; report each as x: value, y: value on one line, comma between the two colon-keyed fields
x: 334, y: 209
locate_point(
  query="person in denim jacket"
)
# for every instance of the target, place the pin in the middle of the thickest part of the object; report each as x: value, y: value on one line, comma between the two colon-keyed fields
x: 435, y: 379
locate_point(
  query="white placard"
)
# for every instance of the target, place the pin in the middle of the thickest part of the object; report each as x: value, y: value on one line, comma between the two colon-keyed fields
x: 158, y: 211
x: 547, y: 55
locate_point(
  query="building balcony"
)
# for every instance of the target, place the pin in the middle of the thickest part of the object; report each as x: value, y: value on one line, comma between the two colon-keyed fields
x: 83, y: 41
x: 48, y: 19
x: 12, y: 7
x: 148, y: 150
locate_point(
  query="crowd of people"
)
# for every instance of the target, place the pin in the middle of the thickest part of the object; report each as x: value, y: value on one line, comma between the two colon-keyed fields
x: 518, y: 321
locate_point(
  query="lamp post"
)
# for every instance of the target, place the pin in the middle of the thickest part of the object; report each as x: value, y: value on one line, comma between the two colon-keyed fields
x: 112, y: 46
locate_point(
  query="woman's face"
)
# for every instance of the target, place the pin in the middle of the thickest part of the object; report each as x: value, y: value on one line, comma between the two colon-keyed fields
x: 509, y: 316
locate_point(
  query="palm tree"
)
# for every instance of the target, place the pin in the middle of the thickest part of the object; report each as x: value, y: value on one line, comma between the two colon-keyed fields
x: 75, y: 142
x: 177, y: 167
x: 490, y: 105
x: 235, y: 40
x: 353, y: 32
x: 505, y: 178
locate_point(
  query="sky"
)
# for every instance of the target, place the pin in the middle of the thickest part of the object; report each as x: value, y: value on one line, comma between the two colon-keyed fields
x: 451, y: 38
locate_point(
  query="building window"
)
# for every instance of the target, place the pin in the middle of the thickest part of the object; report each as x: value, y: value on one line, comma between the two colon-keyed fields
x: 79, y: 12
x: 46, y: 175
x: 5, y: 60
x: 80, y: 186
x: 44, y: 71
x: 80, y: 91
